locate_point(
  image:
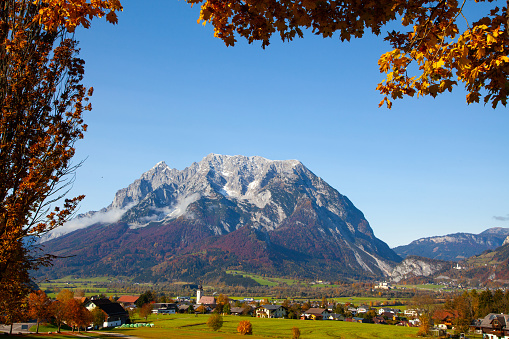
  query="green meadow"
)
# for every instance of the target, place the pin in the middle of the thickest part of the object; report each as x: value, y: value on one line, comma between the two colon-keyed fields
x: 190, y: 326
x: 91, y: 285
x: 266, y: 281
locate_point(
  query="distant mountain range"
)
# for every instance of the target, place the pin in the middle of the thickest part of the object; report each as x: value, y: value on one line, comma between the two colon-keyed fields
x: 225, y: 212
x: 491, y: 265
x: 455, y: 247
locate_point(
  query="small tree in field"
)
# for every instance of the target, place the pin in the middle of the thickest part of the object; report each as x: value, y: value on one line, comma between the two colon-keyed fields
x: 98, y: 317
x: 227, y: 309
x: 295, y: 333
x: 215, y: 321
x: 58, y: 310
x: 145, y: 310
x: 39, y: 307
x: 245, y: 327
x: 201, y: 309
x: 76, y: 315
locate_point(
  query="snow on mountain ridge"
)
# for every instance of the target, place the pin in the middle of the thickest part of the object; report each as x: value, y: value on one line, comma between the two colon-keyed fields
x: 239, y: 176
x: 163, y: 194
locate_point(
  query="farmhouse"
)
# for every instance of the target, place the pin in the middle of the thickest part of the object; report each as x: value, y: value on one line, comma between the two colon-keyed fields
x: 127, y: 300
x: 352, y: 310
x: 445, y: 318
x: 184, y: 308
x: 116, y: 315
x: 359, y: 320
x: 379, y: 320
x: 336, y: 316
x: 495, y: 326
x: 412, y: 313
x: 383, y: 285
x: 316, y: 314
x: 241, y: 310
x: 164, y: 308
x: 271, y: 311
x: 383, y: 310
x: 362, y: 309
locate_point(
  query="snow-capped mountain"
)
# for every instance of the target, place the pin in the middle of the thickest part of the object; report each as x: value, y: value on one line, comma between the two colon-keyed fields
x: 265, y: 214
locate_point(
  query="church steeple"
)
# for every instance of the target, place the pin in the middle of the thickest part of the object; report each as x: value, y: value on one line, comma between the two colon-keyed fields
x: 199, y: 294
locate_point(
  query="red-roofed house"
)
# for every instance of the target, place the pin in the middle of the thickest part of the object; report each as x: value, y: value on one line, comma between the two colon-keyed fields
x: 127, y: 300
x: 316, y: 314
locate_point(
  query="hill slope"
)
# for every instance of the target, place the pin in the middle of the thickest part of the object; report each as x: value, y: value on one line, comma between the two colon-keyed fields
x: 456, y: 246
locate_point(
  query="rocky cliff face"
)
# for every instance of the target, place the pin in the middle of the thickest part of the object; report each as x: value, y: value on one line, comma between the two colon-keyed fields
x: 292, y: 219
x: 456, y: 246
x: 506, y: 241
x: 414, y: 266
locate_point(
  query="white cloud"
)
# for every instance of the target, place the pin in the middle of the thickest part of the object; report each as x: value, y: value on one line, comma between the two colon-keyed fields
x: 85, y: 220
x: 166, y: 213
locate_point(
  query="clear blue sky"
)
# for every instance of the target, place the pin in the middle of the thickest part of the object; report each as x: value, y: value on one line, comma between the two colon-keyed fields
x: 166, y: 89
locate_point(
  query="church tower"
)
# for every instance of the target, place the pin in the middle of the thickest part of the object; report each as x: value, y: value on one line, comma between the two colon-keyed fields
x: 199, y: 294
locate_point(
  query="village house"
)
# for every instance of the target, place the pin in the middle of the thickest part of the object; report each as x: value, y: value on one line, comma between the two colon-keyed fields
x: 164, y: 308
x: 336, y: 316
x: 389, y: 316
x: 236, y: 310
x: 475, y: 326
x: 362, y: 309
x: 116, y: 315
x: 82, y: 300
x: 359, y: 320
x: 445, y: 318
x: 379, y: 320
x: 271, y: 311
x: 183, y: 308
x: 128, y: 300
x: 495, y: 326
x: 415, y: 322
x: 404, y: 323
x: 181, y: 299
x: 247, y: 310
x: 412, y: 313
x: 352, y: 310
x: 383, y: 310
x: 316, y: 314
x: 383, y: 285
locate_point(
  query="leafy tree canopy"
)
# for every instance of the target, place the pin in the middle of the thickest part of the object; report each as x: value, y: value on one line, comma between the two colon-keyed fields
x: 42, y: 102
x: 430, y: 38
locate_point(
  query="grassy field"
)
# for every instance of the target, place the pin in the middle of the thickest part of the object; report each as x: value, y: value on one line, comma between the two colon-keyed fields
x: 266, y: 281
x: 190, y: 326
x: 430, y: 287
x: 93, y: 285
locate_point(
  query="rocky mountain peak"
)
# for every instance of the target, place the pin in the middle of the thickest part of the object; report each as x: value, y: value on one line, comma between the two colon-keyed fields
x: 279, y: 205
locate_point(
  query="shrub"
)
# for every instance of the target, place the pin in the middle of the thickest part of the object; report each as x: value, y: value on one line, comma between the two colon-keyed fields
x: 295, y: 333
x: 215, y: 322
x: 245, y: 327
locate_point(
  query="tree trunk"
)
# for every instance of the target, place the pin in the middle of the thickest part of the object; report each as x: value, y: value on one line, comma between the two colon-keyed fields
x: 37, y: 330
x: 10, y: 332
